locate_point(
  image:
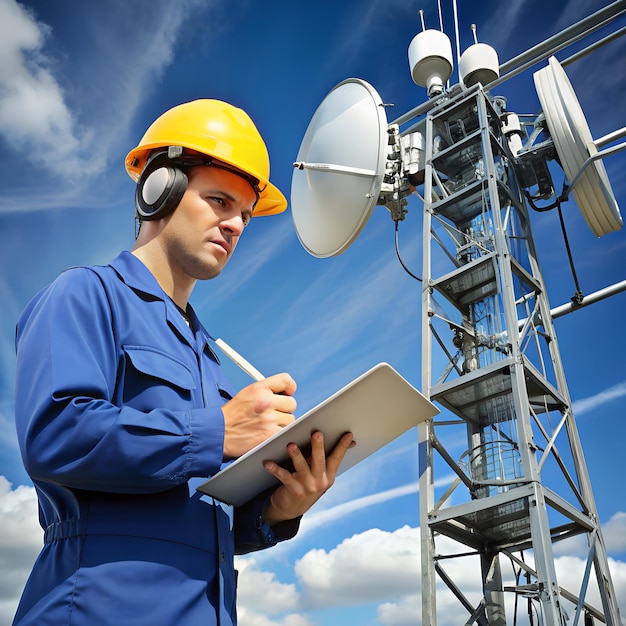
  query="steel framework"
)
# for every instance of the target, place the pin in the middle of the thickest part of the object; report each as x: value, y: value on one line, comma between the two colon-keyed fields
x: 519, y: 482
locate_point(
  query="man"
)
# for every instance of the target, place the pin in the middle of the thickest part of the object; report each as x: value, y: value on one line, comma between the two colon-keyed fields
x: 122, y: 409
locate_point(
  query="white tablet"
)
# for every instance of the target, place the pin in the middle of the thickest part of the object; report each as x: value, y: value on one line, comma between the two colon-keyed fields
x: 377, y: 407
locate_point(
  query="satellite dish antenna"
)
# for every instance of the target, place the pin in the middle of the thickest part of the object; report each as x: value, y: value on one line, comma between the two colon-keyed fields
x: 574, y: 145
x: 339, y: 169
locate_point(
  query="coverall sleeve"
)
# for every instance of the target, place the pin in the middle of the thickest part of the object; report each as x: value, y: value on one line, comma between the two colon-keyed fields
x: 70, y: 430
x: 252, y: 534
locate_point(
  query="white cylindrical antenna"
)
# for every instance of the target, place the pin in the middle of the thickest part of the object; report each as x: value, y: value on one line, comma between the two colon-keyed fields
x: 422, y: 19
x: 430, y: 60
x: 479, y: 63
x: 512, y: 130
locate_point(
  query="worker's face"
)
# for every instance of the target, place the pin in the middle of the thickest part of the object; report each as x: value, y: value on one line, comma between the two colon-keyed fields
x: 201, y: 234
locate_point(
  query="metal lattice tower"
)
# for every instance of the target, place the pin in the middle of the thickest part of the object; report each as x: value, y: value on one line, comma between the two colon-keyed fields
x: 520, y: 483
x: 502, y: 472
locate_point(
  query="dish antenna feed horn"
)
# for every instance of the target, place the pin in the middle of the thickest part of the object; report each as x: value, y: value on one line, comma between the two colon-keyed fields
x: 350, y: 160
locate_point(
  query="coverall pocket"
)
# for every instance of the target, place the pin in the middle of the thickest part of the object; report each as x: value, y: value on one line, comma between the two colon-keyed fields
x: 153, y: 378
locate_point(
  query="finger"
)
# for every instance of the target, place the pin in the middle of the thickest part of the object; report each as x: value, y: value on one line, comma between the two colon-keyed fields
x: 283, y: 419
x: 318, y: 454
x: 283, y: 475
x: 336, y: 457
x: 281, y: 384
x: 284, y: 404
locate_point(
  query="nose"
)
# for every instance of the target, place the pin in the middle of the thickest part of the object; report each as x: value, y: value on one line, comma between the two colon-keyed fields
x: 233, y: 225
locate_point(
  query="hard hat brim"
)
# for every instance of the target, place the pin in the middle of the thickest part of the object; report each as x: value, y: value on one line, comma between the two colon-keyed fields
x: 271, y: 202
x: 271, y: 199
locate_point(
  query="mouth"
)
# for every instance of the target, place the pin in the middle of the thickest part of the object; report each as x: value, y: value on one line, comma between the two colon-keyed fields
x: 222, y: 244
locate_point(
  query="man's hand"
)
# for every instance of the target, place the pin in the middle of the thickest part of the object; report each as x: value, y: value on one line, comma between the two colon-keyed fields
x: 311, y: 478
x: 257, y: 412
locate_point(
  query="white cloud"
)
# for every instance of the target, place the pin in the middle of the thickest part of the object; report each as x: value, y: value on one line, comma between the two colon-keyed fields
x: 20, y: 542
x: 261, y: 590
x: 385, y: 567
x: 587, y: 404
x: 69, y: 127
x: 570, y: 570
x: 405, y: 612
x: 33, y: 114
x: 260, y: 594
x: 246, y: 617
x: 373, y: 565
x: 614, y: 533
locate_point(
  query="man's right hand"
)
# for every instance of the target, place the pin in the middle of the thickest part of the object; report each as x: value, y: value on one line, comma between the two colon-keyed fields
x: 257, y: 412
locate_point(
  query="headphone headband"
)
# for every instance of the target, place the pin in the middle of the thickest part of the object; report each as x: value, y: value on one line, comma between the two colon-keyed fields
x: 164, y: 180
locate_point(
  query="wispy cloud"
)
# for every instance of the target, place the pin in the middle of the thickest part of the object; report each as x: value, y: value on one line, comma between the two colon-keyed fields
x: 507, y: 13
x: 363, y: 295
x: 249, y: 261
x: 593, y: 402
x: 326, y: 517
x: 386, y: 565
x: 61, y: 129
x: 372, y: 18
x: 33, y: 113
x: 315, y: 520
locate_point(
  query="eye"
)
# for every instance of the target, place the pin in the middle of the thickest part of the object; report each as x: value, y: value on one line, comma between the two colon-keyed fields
x: 218, y: 200
x: 246, y: 217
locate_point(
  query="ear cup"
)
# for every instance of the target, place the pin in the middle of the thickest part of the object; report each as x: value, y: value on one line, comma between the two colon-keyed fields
x: 159, y: 190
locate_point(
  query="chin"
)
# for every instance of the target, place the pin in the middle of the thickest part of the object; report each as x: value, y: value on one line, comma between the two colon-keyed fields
x: 207, y: 272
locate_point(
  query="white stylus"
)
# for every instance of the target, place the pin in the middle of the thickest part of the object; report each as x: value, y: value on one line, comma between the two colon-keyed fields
x: 236, y: 358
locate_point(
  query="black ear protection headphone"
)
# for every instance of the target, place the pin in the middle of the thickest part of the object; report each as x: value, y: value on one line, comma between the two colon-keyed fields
x: 163, y: 181
x: 161, y: 185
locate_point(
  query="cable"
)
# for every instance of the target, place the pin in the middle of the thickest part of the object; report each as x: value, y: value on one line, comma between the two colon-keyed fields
x: 406, y: 269
x: 578, y: 296
x: 540, y: 209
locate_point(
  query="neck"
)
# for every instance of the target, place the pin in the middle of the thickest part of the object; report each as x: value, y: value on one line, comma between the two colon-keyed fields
x: 177, y: 287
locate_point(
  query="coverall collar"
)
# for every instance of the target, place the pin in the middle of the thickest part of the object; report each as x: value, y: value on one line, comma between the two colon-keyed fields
x: 139, y: 278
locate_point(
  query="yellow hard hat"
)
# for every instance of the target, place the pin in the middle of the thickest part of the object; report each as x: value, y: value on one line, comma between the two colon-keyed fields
x: 219, y: 130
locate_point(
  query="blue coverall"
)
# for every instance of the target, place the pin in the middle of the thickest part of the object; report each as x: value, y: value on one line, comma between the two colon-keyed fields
x: 118, y: 412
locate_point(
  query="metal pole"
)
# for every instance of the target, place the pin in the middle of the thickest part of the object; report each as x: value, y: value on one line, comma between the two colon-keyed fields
x: 596, y: 296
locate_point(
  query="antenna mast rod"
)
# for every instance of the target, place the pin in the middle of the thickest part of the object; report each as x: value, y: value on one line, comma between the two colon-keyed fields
x: 598, y: 44
x: 592, y: 298
x: 561, y: 40
x: 596, y: 296
x: 457, y: 38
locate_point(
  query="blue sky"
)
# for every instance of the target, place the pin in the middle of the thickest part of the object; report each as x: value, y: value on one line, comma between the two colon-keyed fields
x: 79, y: 84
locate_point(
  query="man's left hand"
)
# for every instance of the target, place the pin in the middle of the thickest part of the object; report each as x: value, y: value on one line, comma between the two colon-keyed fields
x: 308, y: 482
